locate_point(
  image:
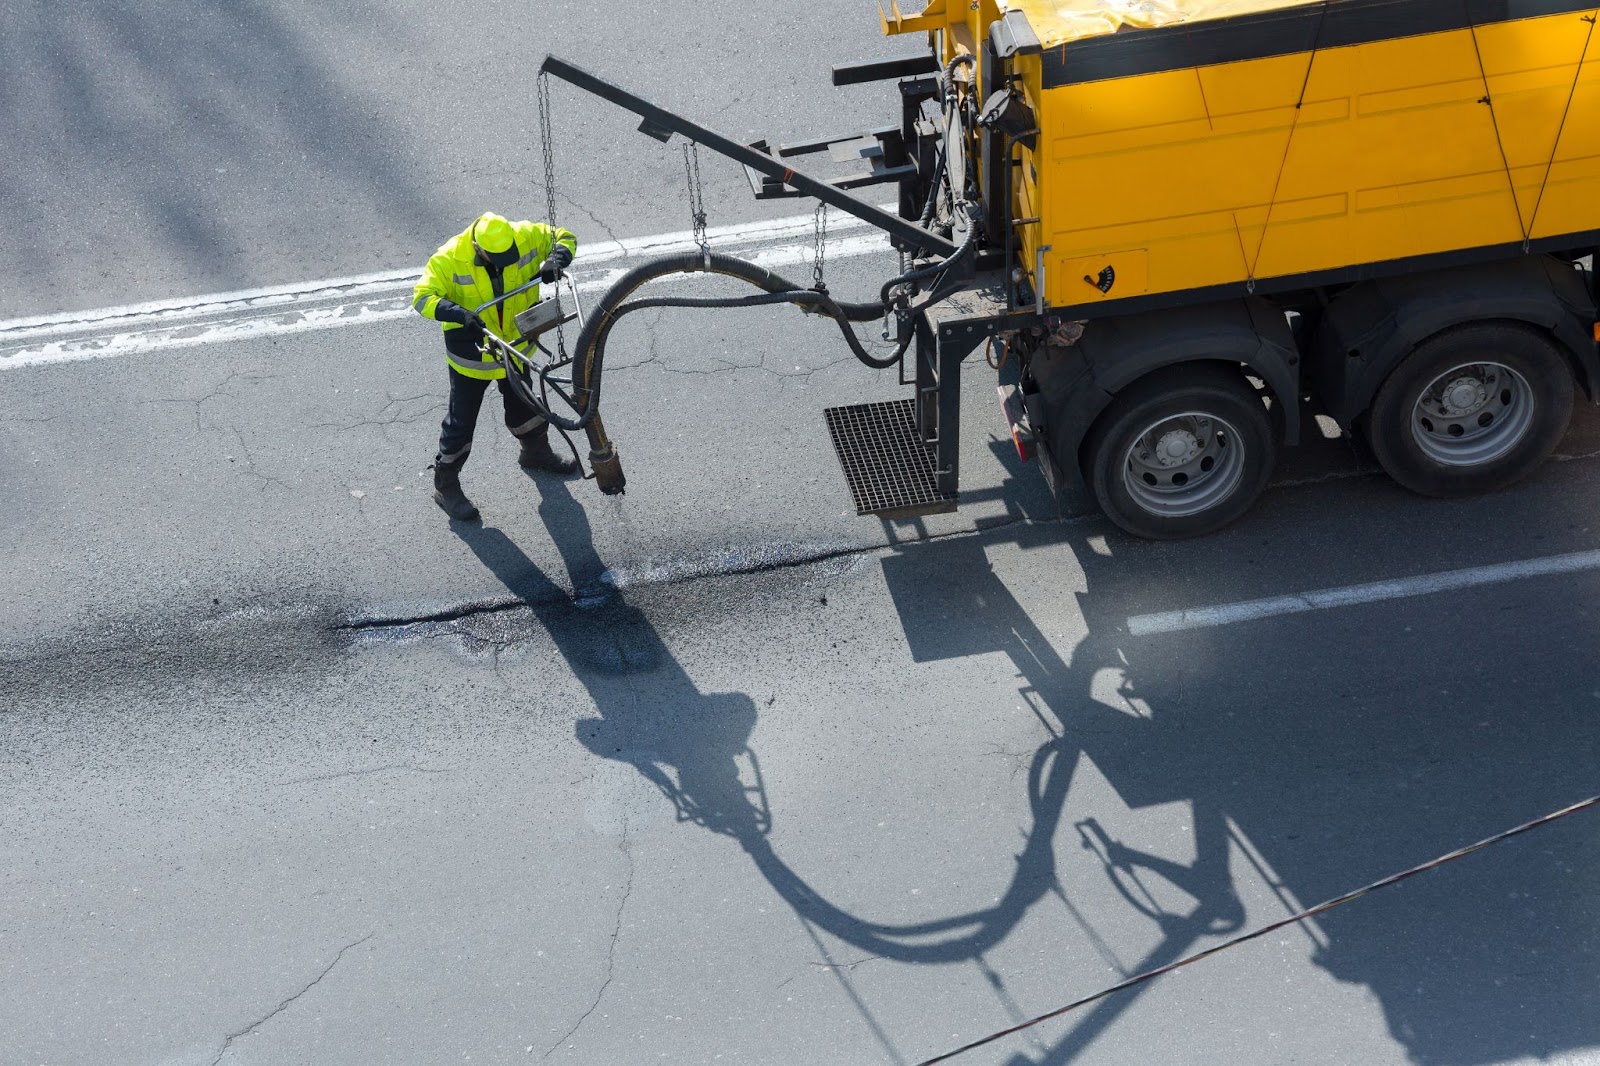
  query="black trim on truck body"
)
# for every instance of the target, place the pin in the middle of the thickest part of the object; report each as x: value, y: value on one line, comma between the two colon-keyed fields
x: 1331, y: 24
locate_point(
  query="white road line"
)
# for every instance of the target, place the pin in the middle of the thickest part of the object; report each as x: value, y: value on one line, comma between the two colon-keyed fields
x: 333, y: 303
x: 1351, y: 595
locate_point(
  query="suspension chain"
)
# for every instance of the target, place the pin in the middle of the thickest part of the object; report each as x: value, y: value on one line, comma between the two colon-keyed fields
x: 547, y: 146
x: 697, y: 198
x: 819, y: 224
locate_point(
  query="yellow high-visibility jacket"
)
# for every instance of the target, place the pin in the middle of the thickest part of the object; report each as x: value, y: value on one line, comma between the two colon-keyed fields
x: 453, y: 273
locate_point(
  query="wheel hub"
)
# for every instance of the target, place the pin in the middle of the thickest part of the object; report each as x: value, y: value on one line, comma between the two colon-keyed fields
x: 1472, y: 414
x: 1463, y: 397
x: 1184, y: 464
x: 1177, y: 447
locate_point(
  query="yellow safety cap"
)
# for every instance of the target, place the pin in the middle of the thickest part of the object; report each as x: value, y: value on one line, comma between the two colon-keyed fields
x: 493, y: 233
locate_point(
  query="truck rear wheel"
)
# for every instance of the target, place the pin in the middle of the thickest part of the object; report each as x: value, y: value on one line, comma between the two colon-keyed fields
x: 1472, y: 410
x: 1181, y: 453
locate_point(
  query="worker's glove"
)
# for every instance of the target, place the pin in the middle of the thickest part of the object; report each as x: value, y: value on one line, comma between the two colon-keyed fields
x: 450, y: 311
x: 473, y: 326
x: 559, y: 259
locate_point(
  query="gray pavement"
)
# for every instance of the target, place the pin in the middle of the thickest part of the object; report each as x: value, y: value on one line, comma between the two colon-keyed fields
x: 167, y: 149
x: 294, y: 771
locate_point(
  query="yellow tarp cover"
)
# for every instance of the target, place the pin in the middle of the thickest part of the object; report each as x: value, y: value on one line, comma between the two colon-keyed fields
x: 1059, y: 21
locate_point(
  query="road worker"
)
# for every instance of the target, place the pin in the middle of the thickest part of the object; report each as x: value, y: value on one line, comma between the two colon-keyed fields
x: 491, y: 257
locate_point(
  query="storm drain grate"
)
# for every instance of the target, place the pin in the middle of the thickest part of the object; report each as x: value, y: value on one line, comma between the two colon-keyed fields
x: 889, y: 467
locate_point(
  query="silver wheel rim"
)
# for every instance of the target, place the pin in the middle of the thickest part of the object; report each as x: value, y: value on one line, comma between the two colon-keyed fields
x: 1184, y: 464
x: 1472, y: 414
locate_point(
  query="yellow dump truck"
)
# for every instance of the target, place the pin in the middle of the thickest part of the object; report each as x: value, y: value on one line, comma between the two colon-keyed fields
x: 1183, y: 227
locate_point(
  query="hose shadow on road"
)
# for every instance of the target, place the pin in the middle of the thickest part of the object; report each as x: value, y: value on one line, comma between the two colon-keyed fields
x: 1310, y: 764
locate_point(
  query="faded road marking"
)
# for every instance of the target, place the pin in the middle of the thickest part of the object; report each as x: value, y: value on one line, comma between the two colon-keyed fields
x: 1352, y: 595
x: 333, y: 303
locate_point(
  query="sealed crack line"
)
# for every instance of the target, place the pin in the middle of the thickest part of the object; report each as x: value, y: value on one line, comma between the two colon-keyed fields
x: 363, y: 772
x: 476, y: 609
x: 227, y: 1041
x: 741, y: 562
x: 611, y: 950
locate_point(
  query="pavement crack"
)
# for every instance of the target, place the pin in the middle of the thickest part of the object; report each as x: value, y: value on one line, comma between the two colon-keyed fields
x: 596, y: 219
x: 250, y: 462
x: 611, y: 951
x: 228, y: 1040
x: 848, y: 967
x: 387, y: 768
x: 392, y: 413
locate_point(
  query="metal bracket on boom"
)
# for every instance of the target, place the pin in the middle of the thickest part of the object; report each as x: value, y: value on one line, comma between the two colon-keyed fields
x: 884, y: 149
x: 658, y: 121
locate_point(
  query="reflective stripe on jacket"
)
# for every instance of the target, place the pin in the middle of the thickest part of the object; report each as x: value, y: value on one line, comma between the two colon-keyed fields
x: 453, y: 273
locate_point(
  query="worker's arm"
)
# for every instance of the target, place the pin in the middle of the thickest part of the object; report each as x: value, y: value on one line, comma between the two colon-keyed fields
x: 428, y: 298
x: 563, y: 246
x: 564, y: 237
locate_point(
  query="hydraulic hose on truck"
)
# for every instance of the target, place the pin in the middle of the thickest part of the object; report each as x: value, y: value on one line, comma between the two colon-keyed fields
x: 588, y: 360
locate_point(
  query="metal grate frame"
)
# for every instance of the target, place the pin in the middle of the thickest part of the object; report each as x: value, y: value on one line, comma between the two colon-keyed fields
x: 888, y: 466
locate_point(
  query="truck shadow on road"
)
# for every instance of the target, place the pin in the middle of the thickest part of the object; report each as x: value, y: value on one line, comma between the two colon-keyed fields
x: 1329, y: 761
x: 1305, y: 773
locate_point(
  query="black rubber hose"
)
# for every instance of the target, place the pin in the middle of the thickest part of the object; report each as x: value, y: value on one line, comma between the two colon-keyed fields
x: 933, y: 189
x: 589, y: 355
x: 965, y: 59
x: 804, y: 297
x: 588, y: 360
x: 968, y: 245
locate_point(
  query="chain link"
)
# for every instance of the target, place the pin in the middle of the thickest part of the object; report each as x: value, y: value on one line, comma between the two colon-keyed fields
x: 697, y: 197
x: 819, y: 224
x: 547, y: 146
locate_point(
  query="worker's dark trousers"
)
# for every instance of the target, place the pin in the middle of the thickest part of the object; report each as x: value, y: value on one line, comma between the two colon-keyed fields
x: 466, y: 397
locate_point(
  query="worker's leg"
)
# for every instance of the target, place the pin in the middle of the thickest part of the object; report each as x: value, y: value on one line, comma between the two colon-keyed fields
x: 528, y: 426
x: 455, y: 444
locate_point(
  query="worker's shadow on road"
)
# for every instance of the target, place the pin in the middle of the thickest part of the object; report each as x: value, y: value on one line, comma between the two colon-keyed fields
x: 693, y: 746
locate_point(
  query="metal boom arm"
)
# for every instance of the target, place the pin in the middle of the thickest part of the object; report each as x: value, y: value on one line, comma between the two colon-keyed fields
x: 657, y: 118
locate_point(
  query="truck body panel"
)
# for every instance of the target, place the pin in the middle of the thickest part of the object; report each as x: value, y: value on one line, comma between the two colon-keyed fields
x: 1293, y: 144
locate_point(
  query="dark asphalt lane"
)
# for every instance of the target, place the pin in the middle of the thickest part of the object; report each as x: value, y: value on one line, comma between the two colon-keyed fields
x: 167, y: 149
x: 852, y: 811
x: 862, y: 804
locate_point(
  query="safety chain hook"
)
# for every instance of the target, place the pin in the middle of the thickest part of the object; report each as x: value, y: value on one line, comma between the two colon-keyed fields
x: 697, y: 199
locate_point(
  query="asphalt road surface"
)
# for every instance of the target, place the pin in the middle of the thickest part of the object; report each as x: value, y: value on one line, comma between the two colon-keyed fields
x: 292, y: 770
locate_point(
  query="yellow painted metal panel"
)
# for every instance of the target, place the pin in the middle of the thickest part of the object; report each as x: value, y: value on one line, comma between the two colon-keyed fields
x: 1401, y: 148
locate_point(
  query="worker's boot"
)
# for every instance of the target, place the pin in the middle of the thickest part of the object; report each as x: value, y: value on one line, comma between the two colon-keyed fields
x: 538, y: 455
x: 447, y: 491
